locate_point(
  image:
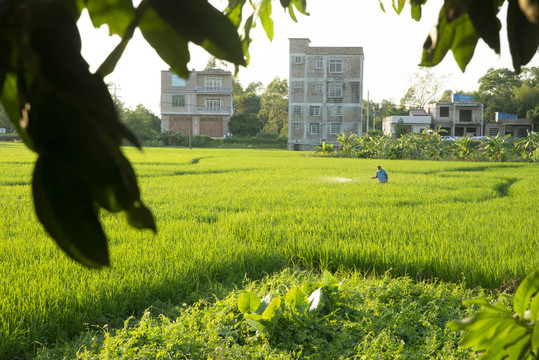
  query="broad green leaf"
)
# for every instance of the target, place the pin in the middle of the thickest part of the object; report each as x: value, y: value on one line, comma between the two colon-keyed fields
x: 464, y: 40
x: 272, y: 308
x: 248, y: 303
x: 520, y: 350
x: 263, y: 304
x: 65, y: 207
x: 265, y: 18
x: 329, y: 280
x: 201, y: 23
x: 523, y: 36
x: 480, y: 337
x: 514, y: 342
x: 297, y: 300
x: 116, y: 14
x: 528, y: 288
x: 261, y: 329
x: 315, y: 300
x: 487, y: 25
x: 285, y: 3
x: 475, y: 321
x: 485, y: 304
x: 458, y: 35
x: 166, y: 42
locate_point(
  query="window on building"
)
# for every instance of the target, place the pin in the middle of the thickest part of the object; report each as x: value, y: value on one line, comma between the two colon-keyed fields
x: 465, y: 115
x: 444, y: 111
x: 213, y: 103
x: 314, y: 128
x: 319, y: 88
x: 178, y: 100
x: 335, y: 66
x: 297, y: 59
x: 335, y: 91
x: 493, y: 132
x: 319, y: 63
x: 459, y: 131
x: 177, y: 81
x: 212, y: 82
x: 336, y: 110
x: 297, y: 84
x: 297, y: 110
x: 314, y: 110
x: 334, y: 128
x: 297, y: 125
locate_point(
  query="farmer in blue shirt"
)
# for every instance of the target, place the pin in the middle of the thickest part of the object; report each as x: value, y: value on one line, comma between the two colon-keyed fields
x: 381, y: 175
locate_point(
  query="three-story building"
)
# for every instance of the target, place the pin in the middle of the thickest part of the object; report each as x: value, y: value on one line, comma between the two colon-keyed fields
x: 198, y: 105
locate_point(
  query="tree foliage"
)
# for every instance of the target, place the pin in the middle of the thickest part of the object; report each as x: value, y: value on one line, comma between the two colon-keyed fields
x: 246, y: 124
x: 66, y: 115
x: 274, y: 106
x: 425, y: 87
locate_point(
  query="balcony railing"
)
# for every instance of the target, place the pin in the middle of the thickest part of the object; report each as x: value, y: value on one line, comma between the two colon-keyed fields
x: 214, y: 89
x: 214, y: 110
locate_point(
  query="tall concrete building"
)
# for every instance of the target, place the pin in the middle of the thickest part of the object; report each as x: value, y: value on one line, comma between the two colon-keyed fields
x: 325, y: 93
x: 198, y: 105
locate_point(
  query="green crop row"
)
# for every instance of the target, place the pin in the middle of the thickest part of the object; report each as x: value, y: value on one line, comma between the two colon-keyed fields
x: 224, y: 215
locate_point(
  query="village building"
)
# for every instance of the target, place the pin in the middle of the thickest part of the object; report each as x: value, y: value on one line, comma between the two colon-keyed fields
x: 416, y: 121
x: 325, y: 93
x: 459, y: 117
x: 201, y: 104
x: 508, y: 124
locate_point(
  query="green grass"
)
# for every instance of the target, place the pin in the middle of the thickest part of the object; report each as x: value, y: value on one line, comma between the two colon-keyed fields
x: 224, y: 215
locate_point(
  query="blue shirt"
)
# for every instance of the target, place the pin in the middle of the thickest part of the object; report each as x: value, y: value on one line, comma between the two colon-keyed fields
x: 381, y: 175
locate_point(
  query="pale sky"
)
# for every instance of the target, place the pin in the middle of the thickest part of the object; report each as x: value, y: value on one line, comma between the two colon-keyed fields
x: 392, y: 46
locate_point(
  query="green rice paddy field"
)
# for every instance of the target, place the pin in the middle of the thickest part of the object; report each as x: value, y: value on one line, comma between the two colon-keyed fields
x: 224, y: 216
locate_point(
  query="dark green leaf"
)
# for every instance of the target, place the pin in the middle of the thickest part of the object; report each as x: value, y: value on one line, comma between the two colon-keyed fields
x: 117, y: 14
x: 523, y: 36
x: 201, y: 23
x: 285, y: 3
x: 110, y: 62
x: 487, y: 25
x: 65, y: 207
x: 168, y: 44
x: 458, y: 35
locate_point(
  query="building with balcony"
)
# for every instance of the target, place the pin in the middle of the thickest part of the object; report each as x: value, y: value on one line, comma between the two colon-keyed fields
x: 198, y: 105
x: 459, y: 117
x: 325, y: 93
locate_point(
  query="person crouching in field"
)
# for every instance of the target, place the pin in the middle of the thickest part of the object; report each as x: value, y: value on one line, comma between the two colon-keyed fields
x: 381, y: 175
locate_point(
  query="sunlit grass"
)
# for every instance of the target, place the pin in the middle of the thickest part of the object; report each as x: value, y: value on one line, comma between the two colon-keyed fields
x: 224, y: 215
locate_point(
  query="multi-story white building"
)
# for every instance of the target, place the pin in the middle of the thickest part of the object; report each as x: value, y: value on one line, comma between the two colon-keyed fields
x: 198, y: 105
x: 325, y: 93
